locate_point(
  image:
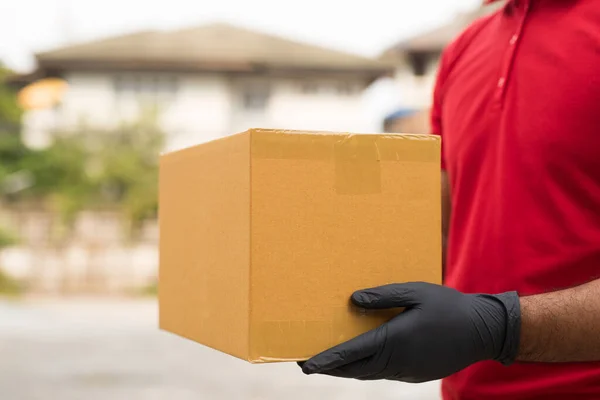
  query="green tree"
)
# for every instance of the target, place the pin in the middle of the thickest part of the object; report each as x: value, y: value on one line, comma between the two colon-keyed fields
x: 10, y: 112
x: 82, y: 168
x: 132, y: 168
x: 12, y: 151
x: 99, y: 168
x: 123, y: 163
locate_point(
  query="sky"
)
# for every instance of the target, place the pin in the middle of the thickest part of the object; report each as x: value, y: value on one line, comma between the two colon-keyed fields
x: 362, y: 27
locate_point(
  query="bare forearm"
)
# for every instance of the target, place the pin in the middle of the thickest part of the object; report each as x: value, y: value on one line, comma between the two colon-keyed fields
x: 562, y: 326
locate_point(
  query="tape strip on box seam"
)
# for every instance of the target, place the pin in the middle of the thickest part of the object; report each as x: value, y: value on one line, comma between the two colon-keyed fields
x: 356, y: 158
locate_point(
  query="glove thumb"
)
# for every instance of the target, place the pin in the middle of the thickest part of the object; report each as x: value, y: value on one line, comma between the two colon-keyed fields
x: 388, y: 296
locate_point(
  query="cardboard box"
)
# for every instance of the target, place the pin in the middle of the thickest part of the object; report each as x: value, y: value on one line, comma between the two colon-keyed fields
x: 265, y: 234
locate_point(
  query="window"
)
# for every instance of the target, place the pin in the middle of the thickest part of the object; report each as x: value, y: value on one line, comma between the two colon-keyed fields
x: 309, y: 87
x: 168, y: 84
x: 155, y: 87
x: 255, y: 98
x: 346, y: 89
x: 331, y: 87
x: 419, y: 62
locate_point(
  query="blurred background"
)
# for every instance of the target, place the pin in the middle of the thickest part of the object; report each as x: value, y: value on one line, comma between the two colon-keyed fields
x: 91, y: 92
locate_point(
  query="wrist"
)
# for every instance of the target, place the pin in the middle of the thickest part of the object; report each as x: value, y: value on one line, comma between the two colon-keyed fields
x: 512, y: 335
x: 503, y: 321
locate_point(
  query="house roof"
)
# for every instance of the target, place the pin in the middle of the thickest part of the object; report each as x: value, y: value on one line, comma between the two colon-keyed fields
x: 216, y: 46
x: 435, y: 40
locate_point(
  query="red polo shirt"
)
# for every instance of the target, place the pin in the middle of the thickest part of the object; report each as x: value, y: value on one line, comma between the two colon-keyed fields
x: 517, y: 103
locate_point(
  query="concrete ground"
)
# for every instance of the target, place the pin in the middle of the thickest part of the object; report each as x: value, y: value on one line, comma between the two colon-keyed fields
x: 92, y: 349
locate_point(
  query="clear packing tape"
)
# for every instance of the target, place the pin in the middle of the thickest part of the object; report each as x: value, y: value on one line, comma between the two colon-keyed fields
x: 356, y: 157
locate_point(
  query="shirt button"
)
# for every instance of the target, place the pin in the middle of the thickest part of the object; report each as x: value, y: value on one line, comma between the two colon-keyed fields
x: 501, y: 82
x: 514, y: 39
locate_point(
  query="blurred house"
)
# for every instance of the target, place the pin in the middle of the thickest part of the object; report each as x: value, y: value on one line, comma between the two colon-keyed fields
x: 207, y: 82
x: 416, y: 61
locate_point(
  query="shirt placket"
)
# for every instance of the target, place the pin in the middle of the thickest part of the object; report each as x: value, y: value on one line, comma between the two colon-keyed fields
x: 508, y: 59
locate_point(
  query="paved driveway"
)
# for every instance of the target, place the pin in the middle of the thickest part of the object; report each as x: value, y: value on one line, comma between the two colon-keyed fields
x: 81, y: 349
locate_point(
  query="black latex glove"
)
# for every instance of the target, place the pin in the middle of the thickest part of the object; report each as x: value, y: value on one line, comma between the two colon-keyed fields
x: 440, y: 332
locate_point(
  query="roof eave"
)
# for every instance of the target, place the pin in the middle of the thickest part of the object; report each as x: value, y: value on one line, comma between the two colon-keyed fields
x: 369, y: 71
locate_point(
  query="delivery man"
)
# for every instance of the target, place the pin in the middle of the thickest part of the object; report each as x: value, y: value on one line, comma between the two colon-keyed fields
x: 517, y: 103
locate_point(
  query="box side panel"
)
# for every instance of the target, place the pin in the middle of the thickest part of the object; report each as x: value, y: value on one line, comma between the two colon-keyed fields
x: 205, y: 244
x: 330, y: 215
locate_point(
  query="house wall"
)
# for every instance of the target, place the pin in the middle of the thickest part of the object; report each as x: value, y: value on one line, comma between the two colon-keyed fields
x: 89, y: 99
x: 200, y: 107
x: 327, y: 104
x: 200, y: 111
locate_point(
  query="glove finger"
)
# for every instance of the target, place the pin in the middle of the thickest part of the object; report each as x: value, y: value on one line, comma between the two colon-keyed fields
x: 361, y: 369
x: 374, y: 377
x: 389, y: 296
x: 359, y: 348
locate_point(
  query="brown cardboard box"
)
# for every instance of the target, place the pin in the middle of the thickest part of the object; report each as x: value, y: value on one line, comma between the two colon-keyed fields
x: 265, y: 234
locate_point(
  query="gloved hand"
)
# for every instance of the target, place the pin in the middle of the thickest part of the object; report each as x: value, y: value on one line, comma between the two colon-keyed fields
x: 440, y: 332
